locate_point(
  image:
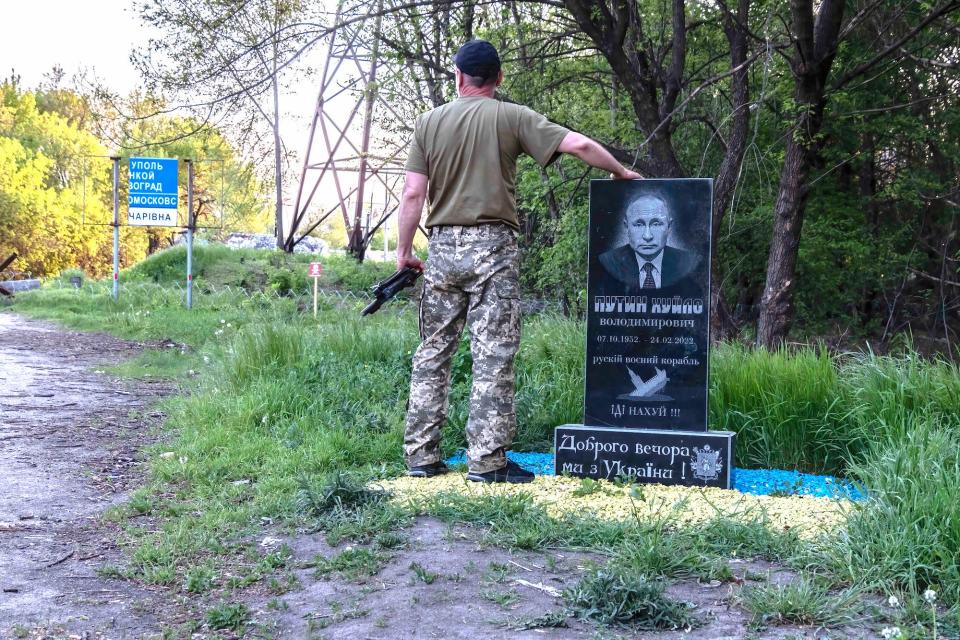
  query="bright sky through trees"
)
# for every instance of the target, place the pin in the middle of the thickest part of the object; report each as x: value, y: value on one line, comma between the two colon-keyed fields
x: 75, y: 35
x: 97, y: 38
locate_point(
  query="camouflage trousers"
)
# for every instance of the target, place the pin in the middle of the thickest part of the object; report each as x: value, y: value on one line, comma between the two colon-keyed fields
x: 471, y: 278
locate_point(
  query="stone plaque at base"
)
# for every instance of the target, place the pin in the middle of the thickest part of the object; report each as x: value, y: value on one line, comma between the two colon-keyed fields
x: 694, y: 458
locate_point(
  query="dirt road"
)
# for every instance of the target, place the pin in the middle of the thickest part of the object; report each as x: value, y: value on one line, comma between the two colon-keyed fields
x: 69, y: 436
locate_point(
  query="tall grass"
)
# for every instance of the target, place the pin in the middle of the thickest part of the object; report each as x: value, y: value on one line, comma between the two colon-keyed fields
x: 907, y: 536
x: 805, y: 409
x: 784, y: 407
x: 887, y: 395
x: 549, y: 379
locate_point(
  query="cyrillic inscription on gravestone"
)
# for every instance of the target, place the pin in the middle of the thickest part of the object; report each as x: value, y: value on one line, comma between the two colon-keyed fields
x: 648, y: 304
x: 646, y: 455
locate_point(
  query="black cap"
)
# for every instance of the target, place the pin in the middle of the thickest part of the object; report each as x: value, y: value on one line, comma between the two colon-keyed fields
x: 478, y: 58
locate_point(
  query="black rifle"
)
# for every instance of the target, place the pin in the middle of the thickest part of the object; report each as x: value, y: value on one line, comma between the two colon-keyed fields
x: 386, y: 289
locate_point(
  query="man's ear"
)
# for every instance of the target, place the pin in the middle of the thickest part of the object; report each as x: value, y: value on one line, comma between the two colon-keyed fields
x: 500, y: 77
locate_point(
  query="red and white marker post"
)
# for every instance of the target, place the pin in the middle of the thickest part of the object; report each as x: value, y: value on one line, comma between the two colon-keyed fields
x: 315, y: 270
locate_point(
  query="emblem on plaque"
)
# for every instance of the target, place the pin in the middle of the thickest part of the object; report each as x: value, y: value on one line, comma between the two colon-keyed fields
x: 706, y: 463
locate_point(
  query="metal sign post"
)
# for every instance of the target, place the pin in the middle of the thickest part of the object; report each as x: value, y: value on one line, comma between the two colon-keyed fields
x: 116, y: 226
x: 315, y: 270
x: 190, y: 225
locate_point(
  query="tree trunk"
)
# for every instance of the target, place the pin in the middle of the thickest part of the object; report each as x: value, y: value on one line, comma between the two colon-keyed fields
x: 617, y: 35
x: 721, y: 324
x: 776, y: 309
x: 815, y: 39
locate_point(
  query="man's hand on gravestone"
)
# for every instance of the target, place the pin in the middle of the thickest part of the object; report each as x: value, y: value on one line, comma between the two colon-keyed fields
x: 626, y: 174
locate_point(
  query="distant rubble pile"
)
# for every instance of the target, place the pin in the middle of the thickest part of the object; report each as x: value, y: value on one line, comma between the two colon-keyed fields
x: 243, y: 240
x: 240, y: 240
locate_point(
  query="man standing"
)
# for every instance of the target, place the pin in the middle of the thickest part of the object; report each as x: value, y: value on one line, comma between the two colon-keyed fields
x: 463, y: 158
x: 646, y: 262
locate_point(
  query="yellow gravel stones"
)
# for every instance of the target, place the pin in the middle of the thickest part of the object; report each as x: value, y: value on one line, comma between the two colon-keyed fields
x: 807, y: 516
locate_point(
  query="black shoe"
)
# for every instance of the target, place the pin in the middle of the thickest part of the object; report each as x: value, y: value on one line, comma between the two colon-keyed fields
x: 428, y: 470
x: 512, y: 473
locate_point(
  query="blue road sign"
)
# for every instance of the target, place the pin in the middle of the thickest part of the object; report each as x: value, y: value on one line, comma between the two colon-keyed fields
x: 153, y: 195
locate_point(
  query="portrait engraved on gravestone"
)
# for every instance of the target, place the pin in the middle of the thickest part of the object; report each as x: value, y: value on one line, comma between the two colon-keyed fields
x: 648, y: 304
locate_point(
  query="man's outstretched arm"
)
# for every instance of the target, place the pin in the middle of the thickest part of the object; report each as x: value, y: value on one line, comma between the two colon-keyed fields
x: 595, y: 155
x: 411, y: 206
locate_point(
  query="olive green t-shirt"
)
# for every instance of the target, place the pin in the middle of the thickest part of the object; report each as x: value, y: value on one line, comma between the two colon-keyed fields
x: 468, y: 150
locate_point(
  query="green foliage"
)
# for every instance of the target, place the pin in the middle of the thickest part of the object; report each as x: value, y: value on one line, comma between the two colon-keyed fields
x: 803, y: 601
x: 784, y: 407
x: 551, y: 620
x: 423, y: 574
x: 227, y: 193
x: 336, y: 491
x: 841, y: 268
x: 505, y: 599
x: 43, y: 206
x: 199, y: 579
x: 67, y: 275
x: 233, y: 616
x: 56, y: 182
x: 305, y: 412
x: 261, y: 351
x: 216, y: 266
x: 616, y: 597
x: 806, y: 410
x: 352, y: 564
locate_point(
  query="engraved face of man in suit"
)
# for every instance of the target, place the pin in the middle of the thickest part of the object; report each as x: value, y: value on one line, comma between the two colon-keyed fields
x: 646, y: 261
x: 648, y: 226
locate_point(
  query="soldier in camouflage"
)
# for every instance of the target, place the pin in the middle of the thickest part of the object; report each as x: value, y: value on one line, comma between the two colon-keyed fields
x: 463, y: 159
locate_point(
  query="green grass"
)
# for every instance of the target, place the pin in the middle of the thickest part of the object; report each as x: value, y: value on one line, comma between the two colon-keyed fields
x: 803, y: 602
x: 907, y: 537
x: 353, y: 564
x: 506, y: 598
x: 279, y: 403
x: 612, y: 596
x: 423, y: 574
x: 216, y: 267
x: 233, y: 616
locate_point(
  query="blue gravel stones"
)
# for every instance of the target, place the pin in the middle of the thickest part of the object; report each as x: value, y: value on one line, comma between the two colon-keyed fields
x: 761, y: 482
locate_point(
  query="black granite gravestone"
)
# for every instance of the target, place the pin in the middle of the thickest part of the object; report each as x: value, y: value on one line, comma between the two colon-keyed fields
x: 647, y: 336
x: 648, y: 317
